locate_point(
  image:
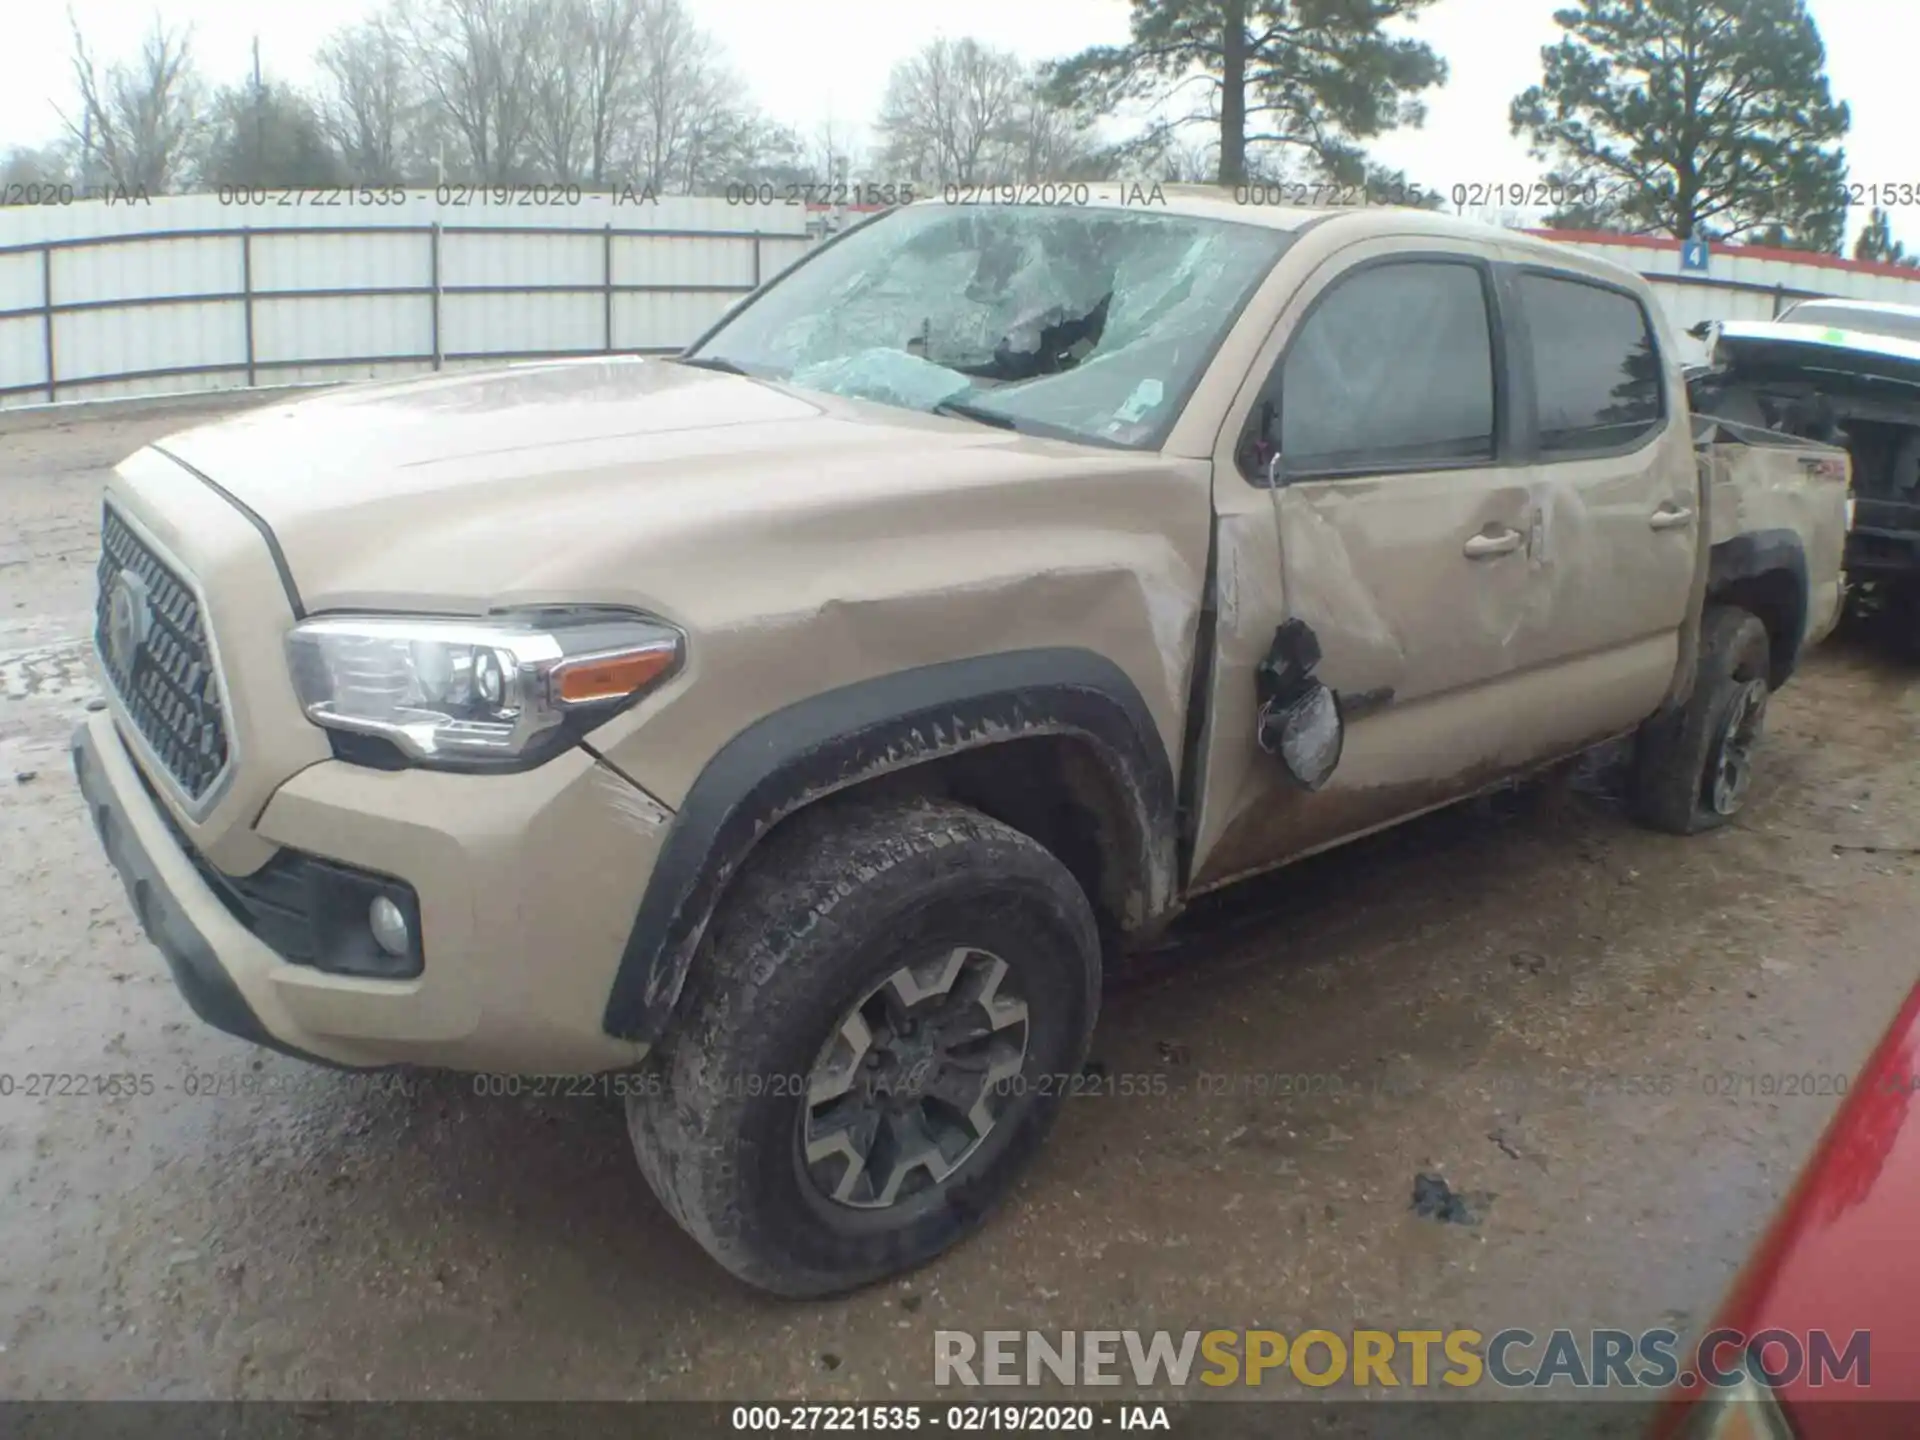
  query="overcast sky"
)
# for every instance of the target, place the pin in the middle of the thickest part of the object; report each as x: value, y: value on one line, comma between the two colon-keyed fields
x: 804, y: 61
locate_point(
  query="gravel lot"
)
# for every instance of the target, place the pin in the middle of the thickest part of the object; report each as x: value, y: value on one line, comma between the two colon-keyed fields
x: 1531, y: 998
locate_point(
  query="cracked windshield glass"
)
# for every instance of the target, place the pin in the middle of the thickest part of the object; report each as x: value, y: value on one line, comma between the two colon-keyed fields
x: 1082, y: 324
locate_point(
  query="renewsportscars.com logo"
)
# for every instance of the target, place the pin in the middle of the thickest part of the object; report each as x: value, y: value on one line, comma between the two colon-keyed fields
x: 1393, y: 1359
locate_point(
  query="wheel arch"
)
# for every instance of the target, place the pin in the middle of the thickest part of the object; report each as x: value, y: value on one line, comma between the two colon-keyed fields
x: 1057, y: 743
x: 1765, y: 572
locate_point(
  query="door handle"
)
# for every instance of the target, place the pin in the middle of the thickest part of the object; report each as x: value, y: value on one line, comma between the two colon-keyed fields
x: 1499, y: 542
x: 1669, y: 519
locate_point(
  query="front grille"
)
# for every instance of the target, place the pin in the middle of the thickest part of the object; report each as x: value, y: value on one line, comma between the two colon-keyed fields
x: 153, y: 645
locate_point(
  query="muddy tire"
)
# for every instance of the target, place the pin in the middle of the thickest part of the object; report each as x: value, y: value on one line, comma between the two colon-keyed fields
x: 1691, y: 769
x: 869, y: 1050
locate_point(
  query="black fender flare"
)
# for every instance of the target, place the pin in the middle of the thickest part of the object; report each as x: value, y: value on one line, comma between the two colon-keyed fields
x: 1762, y: 554
x: 829, y: 742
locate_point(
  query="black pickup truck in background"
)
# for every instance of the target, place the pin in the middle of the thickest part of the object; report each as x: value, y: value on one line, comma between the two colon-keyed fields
x: 1844, y: 372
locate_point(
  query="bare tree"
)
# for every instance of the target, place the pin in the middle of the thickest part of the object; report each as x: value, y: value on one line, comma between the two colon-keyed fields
x: 677, y: 87
x: 950, y: 110
x: 1045, y: 141
x: 369, y: 100
x: 139, y: 123
x: 832, y: 152
x: 591, y: 61
x: 610, y: 59
x: 478, y: 64
x: 557, y: 125
x: 30, y: 168
x: 1184, y: 160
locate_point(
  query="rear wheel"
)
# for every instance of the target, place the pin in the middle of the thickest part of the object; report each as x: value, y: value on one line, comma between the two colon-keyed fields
x: 1693, y: 769
x: 868, y: 1051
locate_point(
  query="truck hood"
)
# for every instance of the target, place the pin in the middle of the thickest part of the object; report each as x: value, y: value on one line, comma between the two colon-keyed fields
x: 456, y: 491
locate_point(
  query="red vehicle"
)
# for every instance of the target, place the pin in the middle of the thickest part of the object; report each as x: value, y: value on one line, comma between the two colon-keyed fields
x: 1824, y: 1321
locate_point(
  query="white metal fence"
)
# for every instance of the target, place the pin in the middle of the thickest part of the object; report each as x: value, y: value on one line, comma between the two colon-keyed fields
x: 101, y: 299
x: 198, y: 291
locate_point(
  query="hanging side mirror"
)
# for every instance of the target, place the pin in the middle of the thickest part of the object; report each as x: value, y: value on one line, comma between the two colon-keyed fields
x: 1300, y: 722
x: 1306, y: 736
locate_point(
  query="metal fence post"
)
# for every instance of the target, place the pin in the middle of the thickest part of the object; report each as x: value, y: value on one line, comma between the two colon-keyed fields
x: 246, y: 293
x: 46, y: 315
x: 606, y: 284
x: 756, y: 259
x: 435, y: 281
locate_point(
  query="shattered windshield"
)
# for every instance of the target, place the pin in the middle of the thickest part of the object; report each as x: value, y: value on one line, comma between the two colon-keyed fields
x: 1088, y: 324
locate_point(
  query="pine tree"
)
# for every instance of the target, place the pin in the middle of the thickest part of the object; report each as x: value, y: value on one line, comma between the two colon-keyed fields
x: 1876, y: 242
x: 1692, y: 117
x: 1292, y: 85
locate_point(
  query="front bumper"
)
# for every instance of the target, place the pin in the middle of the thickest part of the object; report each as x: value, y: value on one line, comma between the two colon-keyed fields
x: 528, y: 885
x: 169, y: 925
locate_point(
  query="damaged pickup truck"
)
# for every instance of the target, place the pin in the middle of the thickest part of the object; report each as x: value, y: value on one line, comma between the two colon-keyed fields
x: 784, y: 736
x: 1846, y: 373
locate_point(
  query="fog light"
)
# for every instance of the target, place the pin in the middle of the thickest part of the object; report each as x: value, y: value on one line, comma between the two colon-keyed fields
x: 389, y: 925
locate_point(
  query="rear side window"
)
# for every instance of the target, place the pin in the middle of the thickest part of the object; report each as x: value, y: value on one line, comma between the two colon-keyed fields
x: 1596, y: 366
x: 1392, y: 370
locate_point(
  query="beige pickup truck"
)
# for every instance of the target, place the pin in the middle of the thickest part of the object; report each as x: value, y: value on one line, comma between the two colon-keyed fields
x: 783, y: 736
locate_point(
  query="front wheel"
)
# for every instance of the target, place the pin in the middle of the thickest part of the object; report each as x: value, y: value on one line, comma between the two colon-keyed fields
x: 872, y: 1046
x: 1693, y: 769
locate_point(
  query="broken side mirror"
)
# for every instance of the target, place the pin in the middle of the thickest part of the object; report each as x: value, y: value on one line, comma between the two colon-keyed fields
x: 1306, y: 735
x: 1276, y: 470
x: 1300, y: 720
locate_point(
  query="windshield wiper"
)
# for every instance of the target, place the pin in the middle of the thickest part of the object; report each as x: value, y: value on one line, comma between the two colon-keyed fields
x: 975, y: 412
x: 710, y: 362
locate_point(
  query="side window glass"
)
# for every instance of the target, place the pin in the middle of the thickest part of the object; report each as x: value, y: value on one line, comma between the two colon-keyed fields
x: 1392, y: 369
x: 1596, y: 366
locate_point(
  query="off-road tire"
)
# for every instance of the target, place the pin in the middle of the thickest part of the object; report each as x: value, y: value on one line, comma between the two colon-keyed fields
x: 835, y: 903
x: 1668, y: 785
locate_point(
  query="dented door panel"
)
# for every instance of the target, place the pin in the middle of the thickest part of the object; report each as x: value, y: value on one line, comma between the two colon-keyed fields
x: 1617, y: 527
x: 1413, y: 583
x: 1476, y: 621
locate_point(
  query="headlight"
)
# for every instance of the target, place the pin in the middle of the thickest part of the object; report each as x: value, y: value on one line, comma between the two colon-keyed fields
x: 1746, y: 1411
x: 506, y: 688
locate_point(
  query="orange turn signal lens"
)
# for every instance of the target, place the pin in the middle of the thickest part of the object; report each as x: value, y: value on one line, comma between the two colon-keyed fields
x: 594, y: 678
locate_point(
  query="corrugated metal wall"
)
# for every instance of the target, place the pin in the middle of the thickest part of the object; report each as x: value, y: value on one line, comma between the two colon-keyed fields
x: 276, y: 287
x: 233, y: 290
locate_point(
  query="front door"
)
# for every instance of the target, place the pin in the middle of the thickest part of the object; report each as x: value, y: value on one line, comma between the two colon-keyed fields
x: 1406, y: 532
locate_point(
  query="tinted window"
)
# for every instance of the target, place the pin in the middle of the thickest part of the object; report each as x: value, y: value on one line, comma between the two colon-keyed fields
x: 1595, y: 364
x: 1394, y: 367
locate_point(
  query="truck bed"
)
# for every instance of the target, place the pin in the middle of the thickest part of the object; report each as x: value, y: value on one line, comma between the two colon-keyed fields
x: 1764, y: 483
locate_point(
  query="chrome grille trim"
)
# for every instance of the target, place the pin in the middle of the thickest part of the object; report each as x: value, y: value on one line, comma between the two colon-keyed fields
x: 172, y: 697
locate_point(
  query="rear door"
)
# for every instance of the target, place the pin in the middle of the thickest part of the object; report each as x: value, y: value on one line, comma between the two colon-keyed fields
x: 1615, y: 482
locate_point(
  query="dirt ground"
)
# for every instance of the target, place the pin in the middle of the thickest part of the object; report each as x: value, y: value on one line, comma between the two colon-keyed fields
x: 1531, y: 999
